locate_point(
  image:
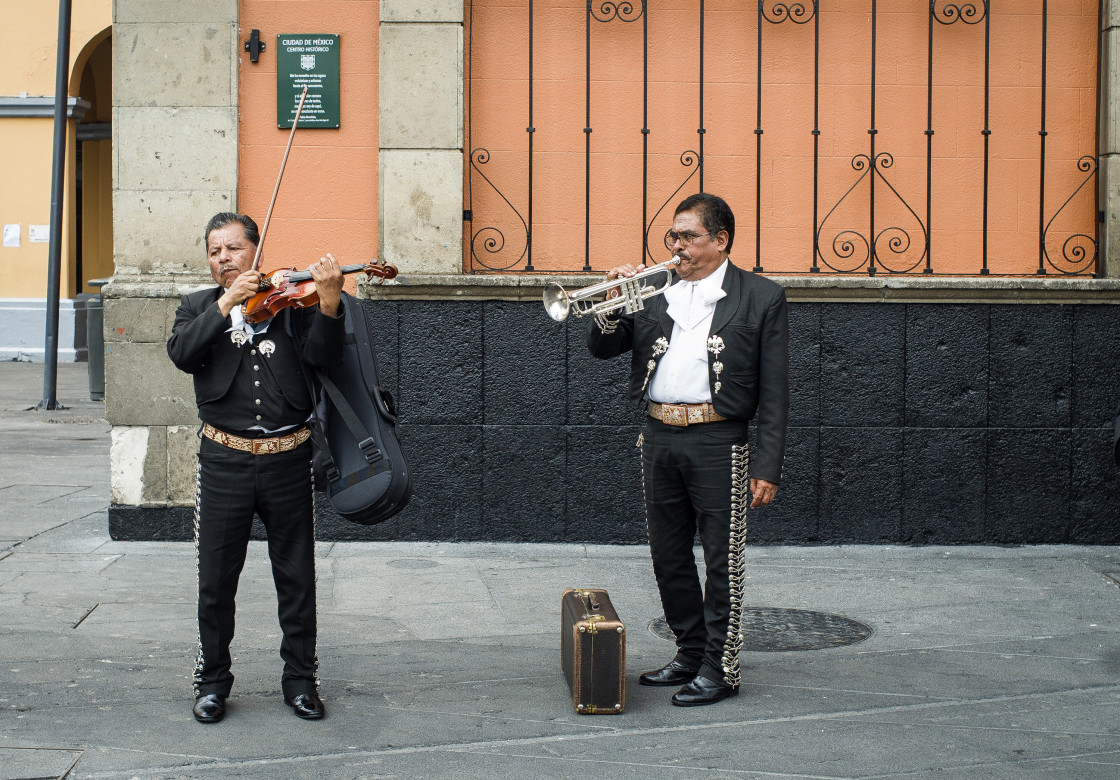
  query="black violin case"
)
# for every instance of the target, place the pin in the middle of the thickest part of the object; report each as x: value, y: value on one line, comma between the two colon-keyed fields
x: 358, y: 460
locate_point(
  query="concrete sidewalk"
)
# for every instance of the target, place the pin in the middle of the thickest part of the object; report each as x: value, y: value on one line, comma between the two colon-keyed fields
x: 441, y: 660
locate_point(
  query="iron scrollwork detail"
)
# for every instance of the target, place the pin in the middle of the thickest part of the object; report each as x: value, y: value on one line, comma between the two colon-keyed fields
x: 953, y: 12
x: 780, y: 12
x: 623, y: 11
x: 894, y: 238
x: 492, y: 238
x: 1074, y: 248
x: 688, y: 159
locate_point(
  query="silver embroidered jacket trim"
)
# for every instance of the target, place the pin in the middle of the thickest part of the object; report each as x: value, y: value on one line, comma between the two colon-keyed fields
x: 607, y: 325
x: 660, y: 347
x: 715, y: 346
x: 736, y: 565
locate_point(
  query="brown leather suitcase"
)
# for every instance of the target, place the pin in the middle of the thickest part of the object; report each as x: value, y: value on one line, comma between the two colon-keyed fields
x: 593, y: 651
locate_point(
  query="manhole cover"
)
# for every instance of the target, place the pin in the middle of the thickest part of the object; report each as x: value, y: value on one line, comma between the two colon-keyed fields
x: 772, y: 630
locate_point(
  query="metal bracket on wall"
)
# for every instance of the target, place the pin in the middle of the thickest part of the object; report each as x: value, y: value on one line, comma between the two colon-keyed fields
x: 254, y: 45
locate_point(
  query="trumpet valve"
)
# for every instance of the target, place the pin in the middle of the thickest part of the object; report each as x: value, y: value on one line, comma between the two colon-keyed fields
x: 631, y: 290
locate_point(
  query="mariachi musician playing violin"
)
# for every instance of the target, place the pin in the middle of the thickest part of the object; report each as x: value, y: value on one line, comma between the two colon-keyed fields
x: 254, y: 457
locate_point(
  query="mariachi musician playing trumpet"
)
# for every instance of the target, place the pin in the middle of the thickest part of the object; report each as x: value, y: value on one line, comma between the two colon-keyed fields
x: 254, y: 456
x: 706, y: 357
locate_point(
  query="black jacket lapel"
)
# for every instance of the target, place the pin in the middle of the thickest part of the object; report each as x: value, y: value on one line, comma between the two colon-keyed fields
x: 662, y: 314
x: 727, y: 306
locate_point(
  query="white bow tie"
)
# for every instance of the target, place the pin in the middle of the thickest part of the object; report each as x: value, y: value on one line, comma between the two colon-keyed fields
x: 691, y: 302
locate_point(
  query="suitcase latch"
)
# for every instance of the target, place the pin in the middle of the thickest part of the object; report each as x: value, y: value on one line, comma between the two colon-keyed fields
x: 593, y: 628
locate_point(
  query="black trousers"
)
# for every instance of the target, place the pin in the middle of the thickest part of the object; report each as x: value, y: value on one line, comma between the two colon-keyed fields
x: 232, y: 485
x: 695, y: 482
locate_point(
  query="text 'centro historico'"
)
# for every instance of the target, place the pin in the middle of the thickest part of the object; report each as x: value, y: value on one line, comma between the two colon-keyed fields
x: 307, y: 60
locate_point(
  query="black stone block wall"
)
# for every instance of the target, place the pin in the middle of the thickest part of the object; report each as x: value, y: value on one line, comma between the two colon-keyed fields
x: 909, y: 423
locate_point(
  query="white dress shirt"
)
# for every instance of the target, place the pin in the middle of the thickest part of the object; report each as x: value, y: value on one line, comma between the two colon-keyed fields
x: 682, y: 374
x: 237, y: 322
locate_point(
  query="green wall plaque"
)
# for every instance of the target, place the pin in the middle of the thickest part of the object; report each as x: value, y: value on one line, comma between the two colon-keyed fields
x: 310, y: 61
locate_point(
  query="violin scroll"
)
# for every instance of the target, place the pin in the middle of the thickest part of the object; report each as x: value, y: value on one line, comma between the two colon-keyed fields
x: 381, y: 269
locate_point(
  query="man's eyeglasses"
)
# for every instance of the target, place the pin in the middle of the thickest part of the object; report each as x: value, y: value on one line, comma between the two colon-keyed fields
x: 685, y: 238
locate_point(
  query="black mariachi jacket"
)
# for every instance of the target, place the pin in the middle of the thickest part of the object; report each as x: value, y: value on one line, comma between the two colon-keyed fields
x: 198, y: 338
x: 748, y: 358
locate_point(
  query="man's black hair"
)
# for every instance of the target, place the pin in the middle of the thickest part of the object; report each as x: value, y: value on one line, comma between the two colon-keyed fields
x: 224, y: 218
x: 715, y: 214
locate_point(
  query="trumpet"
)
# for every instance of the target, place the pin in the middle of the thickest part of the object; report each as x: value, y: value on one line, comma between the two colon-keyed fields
x: 559, y: 303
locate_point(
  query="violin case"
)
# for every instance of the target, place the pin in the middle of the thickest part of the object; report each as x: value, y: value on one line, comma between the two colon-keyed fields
x: 593, y: 651
x: 357, y: 458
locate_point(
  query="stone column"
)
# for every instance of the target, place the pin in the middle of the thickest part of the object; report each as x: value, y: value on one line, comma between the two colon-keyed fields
x: 1108, y: 177
x: 175, y: 164
x: 421, y: 135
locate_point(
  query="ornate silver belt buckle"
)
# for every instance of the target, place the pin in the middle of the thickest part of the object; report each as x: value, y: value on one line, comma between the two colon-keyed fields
x: 265, y: 446
x: 675, y: 414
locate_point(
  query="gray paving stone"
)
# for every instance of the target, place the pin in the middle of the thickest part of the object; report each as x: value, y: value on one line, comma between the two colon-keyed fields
x: 440, y: 660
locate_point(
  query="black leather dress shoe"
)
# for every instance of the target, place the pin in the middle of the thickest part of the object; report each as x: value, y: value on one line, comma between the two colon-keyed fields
x: 703, y: 691
x: 673, y: 673
x: 307, y: 706
x: 209, y: 708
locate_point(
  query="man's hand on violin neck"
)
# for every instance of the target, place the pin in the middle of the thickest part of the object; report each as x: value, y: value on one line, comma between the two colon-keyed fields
x: 327, y: 274
x: 244, y: 287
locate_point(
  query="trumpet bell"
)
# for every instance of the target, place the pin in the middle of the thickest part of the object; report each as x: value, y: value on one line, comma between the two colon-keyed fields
x: 556, y: 302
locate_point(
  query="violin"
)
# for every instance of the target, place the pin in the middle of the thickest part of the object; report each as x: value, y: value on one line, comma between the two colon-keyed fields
x: 291, y: 288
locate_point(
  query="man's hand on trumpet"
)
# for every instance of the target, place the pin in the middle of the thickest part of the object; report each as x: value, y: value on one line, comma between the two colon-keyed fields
x: 622, y: 272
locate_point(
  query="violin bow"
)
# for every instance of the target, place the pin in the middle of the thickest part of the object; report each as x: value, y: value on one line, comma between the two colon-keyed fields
x: 279, y: 176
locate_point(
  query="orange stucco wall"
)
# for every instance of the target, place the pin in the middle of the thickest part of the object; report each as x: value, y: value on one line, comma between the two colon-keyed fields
x: 328, y: 198
x: 498, y: 67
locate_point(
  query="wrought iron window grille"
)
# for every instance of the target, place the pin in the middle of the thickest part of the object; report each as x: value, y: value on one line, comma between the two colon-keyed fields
x: 836, y: 247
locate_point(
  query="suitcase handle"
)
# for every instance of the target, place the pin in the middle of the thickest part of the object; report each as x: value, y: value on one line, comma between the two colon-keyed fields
x: 589, y: 599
